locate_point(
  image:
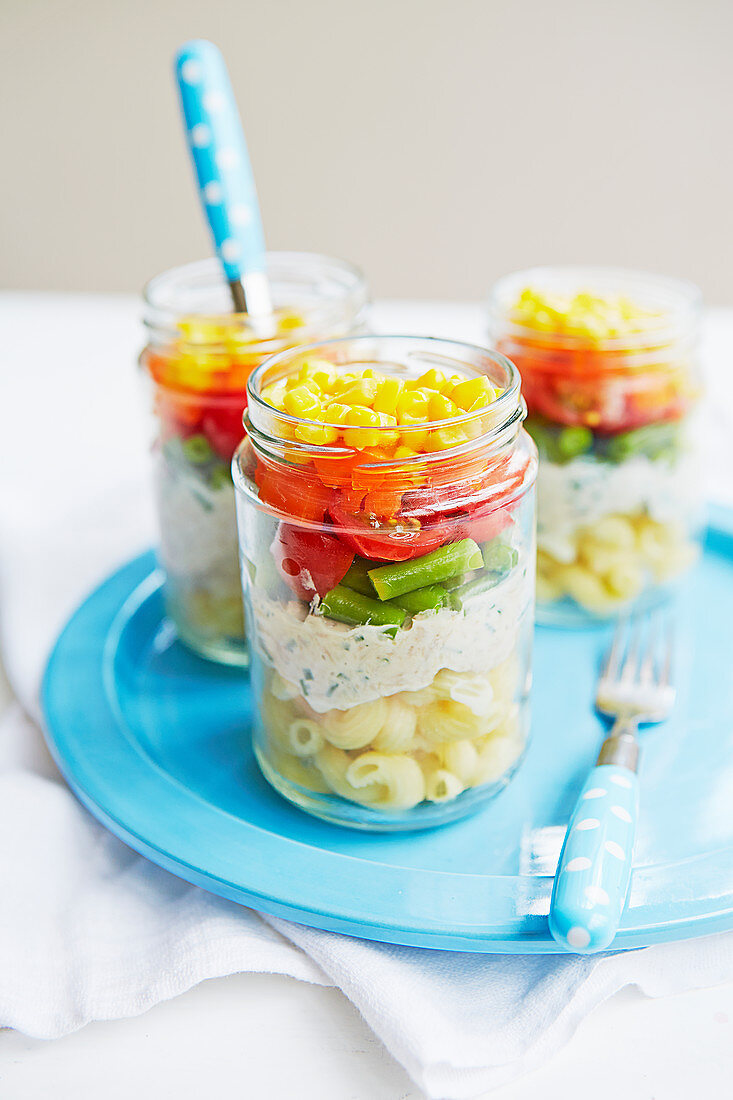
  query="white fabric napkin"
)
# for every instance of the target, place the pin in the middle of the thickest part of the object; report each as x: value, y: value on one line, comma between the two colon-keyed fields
x: 88, y: 929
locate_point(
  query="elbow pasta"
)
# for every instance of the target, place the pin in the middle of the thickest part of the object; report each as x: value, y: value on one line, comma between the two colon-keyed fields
x: 431, y: 745
x: 614, y: 561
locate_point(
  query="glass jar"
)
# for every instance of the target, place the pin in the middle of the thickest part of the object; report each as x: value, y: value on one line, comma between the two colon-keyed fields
x: 609, y: 366
x: 388, y: 571
x: 198, y: 359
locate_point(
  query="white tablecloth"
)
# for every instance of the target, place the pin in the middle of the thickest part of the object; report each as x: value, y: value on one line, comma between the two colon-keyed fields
x: 100, y: 933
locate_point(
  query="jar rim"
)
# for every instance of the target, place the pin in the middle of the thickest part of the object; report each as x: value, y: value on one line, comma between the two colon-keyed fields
x: 509, y: 405
x: 338, y: 291
x: 678, y: 300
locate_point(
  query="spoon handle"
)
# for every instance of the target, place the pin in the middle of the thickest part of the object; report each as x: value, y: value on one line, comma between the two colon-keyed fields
x: 223, y: 172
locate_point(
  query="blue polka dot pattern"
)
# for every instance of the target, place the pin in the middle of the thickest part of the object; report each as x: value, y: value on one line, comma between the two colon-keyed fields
x: 221, y: 161
x: 592, y: 878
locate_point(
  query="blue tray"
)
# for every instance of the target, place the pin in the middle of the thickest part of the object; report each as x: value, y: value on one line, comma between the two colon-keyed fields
x: 155, y: 743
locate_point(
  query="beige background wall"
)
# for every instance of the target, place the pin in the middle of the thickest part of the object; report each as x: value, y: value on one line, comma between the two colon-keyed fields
x: 437, y: 143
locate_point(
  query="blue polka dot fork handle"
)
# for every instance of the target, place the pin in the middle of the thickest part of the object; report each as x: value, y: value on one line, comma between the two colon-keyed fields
x: 224, y: 176
x: 593, y: 873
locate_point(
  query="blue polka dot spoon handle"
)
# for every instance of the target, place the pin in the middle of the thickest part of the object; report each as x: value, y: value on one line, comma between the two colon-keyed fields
x: 592, y: 878
x: 224, y: 173
x: 593, y: 874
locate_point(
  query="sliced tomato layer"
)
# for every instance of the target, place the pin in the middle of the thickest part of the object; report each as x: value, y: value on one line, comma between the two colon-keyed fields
x: 398, y: 539
x: 310, y: 562
x: 297, y: 493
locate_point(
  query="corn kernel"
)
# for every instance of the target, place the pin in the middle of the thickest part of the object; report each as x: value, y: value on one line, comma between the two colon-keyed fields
x: 312, y: 363
x: 322, y: 379
x: 320, y: 435
x: 300, y: 401
x: 413, y: 403
x: 288, y: 321
x: 359, y: 438
x: 388, y: 393
x: 443, y: 439
x: 414, y: 439
x: 362, y: 392
x: 335, y: 413
x: 359, y: 414
x: 196, y: 330
x: 433, y: 380
x: 388, y: 439
x: 442, y: 408
x: 274, y: 394
x: 466, y: 393
x: 342, y: 382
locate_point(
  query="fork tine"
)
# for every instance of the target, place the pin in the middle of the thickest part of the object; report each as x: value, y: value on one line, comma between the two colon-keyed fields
x: 610, y: 666
x: 665, y: 676
x: 647, y: 667
x: 628, y: 669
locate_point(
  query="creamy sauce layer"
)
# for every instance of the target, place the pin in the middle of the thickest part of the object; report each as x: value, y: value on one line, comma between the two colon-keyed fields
x: 198, y: 532
x: 581, y: 492
x: 335, y: 665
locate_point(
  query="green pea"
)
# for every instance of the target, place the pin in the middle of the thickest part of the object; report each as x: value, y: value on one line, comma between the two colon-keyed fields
x: 197, y: 451
x: 574, y: 441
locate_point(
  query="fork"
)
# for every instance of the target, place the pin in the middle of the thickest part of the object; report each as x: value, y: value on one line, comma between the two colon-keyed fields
x: 592, y: 877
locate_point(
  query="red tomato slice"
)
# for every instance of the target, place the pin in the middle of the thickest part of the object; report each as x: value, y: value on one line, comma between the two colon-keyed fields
x: 299, y: 494
x: 222, y: 426
x: 386, y: 542
x: 310, y: 562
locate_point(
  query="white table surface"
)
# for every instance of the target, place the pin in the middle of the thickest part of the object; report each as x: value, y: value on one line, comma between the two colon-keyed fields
x: 254, y: 1036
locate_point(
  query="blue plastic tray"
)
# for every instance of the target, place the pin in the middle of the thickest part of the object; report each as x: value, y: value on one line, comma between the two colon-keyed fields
x: 155, y: 743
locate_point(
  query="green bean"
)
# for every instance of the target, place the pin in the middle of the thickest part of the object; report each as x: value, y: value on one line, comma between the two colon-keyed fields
x: 468, y: 591
x: 352, y: 607
x: 357, y: 577
x: 653, y: 440
x: 431, y: 598
x: 439, y: 565
x: 498, y: 556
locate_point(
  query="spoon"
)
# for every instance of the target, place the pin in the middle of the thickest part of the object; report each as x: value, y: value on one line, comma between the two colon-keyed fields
x: 224, y: 175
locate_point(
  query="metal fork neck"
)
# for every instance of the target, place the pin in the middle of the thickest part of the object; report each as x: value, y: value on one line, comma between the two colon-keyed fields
x: 621, y: 746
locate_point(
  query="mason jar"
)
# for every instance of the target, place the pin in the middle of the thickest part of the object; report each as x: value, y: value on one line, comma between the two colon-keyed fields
x: 197, y: 361
x: 385, y: 507
x: 609, y: 366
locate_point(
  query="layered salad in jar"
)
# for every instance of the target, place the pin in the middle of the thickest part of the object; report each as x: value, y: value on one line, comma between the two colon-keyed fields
x: 386, y: 524
x: 197, y: 364
x: 609, y: 373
